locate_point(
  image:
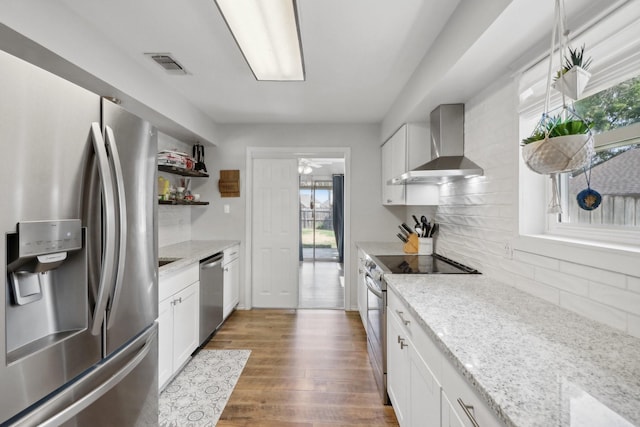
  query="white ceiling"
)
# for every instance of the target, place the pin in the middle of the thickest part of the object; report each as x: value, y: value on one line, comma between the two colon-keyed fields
x: 367, y: 61
x: 358, y: 55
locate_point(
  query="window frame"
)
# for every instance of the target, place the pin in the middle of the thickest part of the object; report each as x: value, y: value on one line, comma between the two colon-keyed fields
x: 614, y: 45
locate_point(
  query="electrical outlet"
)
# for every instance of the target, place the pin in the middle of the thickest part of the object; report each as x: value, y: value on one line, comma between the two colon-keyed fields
x: 508, y: 250
x: 227, y: 209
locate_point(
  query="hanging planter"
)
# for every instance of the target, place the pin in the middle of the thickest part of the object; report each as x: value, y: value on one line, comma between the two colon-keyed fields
x: 573, y: 77
x: 573, y: 82
x: 561, y: 143
x: 558, y: 145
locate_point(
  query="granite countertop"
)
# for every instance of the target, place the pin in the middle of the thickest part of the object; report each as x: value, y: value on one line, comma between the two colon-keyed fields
x: 381, y: 248
x: 190, y: 252
x: 534, y: 363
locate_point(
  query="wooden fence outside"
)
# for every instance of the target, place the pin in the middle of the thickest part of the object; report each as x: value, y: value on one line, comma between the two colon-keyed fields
x: 614, y: 210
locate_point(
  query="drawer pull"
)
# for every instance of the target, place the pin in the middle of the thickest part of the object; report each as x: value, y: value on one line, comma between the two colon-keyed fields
x: 400, y: 315
x: 402, y: 343
x: 468, y: 410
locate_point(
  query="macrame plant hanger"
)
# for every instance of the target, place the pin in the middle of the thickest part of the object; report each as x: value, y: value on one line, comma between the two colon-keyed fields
x: 557, y: 154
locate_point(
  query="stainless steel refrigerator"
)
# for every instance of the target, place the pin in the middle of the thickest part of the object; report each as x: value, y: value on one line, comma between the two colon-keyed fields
x: 79, y: 254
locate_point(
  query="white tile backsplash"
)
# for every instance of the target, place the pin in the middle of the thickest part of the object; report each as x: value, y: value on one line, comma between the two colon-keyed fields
x: 633, y: 325
x: 633, y: 284
x: 562, y: 281
x: 479, y: 217
x: 594, y: 274
x: 594, y: 310
x: 615, y: 297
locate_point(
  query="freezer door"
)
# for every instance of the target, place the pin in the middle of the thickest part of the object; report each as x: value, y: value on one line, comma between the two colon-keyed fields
x: 45, y: 140
x: 134, y: 301
x: 120, y: 391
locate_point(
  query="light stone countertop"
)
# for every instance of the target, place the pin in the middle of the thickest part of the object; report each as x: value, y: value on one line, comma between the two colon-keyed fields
x: 189, y: 252
x: 381, y: 248
x: 534, y: 363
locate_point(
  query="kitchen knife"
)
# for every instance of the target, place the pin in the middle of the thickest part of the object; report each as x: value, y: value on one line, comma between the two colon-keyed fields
x: 404, y: 233
x: 406, y: 227
x: 401, y: 237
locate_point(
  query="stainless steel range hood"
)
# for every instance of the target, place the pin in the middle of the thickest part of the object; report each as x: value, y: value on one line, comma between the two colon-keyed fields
x: 448, y: 162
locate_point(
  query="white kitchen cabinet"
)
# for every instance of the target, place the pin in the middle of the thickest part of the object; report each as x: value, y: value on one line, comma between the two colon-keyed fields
x: 449, y: 415
x: 362, y: 288
x: 394, y: 154
x: 231, y: 280
x: 459, y: 392
x: 406, y: 149
x: 413, y: 389
x: 422, y: 383
x: 398, y: 370
x: 178, y: 321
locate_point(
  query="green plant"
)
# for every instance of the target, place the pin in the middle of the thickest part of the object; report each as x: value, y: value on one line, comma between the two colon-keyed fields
x: 574, y: 59
x: 557, y: 126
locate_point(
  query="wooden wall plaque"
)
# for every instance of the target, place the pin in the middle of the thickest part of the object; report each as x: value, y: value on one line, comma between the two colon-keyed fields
x: 229, y: 183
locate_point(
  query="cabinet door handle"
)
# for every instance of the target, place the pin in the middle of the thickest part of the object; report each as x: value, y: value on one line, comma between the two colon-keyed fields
x: 400, y: 315
x: 468, y: 410
x: 403, y: 344
x: 389, y: 200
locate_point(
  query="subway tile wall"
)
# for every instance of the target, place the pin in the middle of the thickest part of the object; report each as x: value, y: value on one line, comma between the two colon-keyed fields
x: 479, y: 217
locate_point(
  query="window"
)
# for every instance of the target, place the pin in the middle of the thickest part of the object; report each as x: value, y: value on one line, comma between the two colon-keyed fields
x: 614, y: 115
x: 612, y: 103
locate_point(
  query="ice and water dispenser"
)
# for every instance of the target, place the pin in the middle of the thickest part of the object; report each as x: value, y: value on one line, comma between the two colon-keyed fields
x: 46, y: 292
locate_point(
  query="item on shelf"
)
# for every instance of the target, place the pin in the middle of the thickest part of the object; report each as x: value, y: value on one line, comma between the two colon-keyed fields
x: 229, y: 183
x: 176, y: 159
x: 198, y: 155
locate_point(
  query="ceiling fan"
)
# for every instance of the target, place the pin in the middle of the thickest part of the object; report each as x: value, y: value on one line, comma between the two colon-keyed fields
x: 305, y: 166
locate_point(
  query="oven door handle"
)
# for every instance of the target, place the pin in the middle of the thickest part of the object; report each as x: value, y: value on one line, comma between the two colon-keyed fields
x: 374, y: 289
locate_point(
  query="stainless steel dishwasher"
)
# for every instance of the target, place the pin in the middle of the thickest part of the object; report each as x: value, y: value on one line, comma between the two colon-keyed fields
x: 211, y: 298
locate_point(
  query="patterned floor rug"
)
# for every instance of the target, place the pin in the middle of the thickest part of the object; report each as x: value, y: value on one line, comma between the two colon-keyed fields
x: 198, y: 395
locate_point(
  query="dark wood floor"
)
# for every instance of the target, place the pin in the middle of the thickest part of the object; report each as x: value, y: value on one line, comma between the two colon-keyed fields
x: 308, y: 368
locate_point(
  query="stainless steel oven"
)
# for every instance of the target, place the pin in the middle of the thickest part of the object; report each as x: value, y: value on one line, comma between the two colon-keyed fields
x: 377, y: 325
x: 376, y: 267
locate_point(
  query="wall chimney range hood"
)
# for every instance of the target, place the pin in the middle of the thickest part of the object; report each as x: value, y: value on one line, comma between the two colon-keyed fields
x: 448, y: 162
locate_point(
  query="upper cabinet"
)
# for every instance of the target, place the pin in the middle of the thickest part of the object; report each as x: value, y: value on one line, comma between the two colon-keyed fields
x: 406, y: 149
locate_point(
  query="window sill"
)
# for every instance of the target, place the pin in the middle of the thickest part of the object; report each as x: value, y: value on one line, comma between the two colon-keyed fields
x: 607, y: 256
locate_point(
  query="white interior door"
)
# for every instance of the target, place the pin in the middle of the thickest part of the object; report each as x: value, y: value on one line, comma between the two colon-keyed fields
x: 275, y: 233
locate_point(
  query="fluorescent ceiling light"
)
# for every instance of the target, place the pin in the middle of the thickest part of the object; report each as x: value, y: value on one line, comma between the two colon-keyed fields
x: 267, y: 33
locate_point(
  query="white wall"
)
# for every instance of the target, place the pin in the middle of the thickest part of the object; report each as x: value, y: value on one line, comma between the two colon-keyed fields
x: 174, y: 222
x: 369, y: 219
x: 479, y: 216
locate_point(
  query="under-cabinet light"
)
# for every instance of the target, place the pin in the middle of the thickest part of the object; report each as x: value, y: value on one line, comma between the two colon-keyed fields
x: 268, y: 36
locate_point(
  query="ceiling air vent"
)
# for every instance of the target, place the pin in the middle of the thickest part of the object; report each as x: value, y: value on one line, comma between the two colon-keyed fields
x: 166, y: 61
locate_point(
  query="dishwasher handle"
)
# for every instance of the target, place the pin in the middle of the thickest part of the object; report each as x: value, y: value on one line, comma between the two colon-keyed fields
x: 212, y: 262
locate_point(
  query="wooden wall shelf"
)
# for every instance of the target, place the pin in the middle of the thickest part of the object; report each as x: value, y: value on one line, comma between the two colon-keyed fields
x: 181, y: 171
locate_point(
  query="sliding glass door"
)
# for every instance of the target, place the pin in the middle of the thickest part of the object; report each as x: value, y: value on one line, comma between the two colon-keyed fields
x: 318, y: 239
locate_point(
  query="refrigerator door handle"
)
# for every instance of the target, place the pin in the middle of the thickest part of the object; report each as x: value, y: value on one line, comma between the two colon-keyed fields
x: 109, y: 223
x: 100, y: 390
x: 122, y: 223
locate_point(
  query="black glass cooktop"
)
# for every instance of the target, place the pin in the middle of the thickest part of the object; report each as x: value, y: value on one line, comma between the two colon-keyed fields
x: 423, y: 264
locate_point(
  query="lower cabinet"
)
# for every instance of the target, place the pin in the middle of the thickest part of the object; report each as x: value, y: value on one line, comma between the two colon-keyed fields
x: 449, y: 415
x: 412, y: 387
x: 231, y: 280
x: 425, y: 388
x: 178, y: 321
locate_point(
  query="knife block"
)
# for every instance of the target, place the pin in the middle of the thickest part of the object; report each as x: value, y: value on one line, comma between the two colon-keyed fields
x: 411, y: 247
